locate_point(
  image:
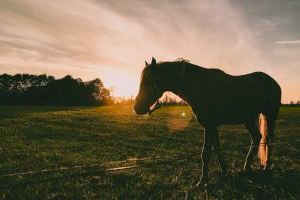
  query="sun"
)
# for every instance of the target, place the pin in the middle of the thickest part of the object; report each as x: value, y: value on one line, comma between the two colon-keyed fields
x: 123, y: 84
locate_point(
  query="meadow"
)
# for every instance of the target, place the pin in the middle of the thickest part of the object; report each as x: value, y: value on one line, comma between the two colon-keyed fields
x: 163, y: 150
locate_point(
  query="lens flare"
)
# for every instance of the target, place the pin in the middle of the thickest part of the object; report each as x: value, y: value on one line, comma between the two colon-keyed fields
x: 178, y: 121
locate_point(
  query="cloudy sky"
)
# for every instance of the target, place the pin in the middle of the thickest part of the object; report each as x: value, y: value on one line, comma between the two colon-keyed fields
x: 112, y: 39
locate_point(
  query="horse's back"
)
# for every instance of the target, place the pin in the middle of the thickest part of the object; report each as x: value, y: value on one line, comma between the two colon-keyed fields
x: 269, y: 86
x: 261, y: 92
x: 241, y: 97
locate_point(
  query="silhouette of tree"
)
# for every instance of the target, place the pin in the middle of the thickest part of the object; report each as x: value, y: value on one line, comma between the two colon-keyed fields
x: 46, y: 90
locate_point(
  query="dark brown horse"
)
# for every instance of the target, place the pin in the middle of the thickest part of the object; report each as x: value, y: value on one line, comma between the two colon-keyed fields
x: 217, y: 98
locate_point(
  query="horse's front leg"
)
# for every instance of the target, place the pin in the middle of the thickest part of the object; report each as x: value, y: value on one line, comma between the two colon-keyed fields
x: 205, y: 156
x: 218, y: 152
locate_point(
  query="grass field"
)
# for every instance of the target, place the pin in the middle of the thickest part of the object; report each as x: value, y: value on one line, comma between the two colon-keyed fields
x: 37, y: 138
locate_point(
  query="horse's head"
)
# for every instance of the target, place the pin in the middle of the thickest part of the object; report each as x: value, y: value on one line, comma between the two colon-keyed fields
x: 149, y: 91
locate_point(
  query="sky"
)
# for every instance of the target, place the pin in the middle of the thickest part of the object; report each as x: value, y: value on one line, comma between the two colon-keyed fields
x: 112, y: 39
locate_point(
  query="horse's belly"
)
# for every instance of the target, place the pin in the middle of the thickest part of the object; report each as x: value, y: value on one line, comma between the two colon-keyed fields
x: 237, y: 117
x: 232, y: 120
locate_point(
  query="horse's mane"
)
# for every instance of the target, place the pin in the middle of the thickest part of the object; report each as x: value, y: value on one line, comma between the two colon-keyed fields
x: 180, y: 60
x: 177, y: 60
x: 182, y: 65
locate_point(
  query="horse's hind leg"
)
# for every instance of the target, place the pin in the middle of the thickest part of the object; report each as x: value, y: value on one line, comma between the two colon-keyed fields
x: 270, y: 137
x: 206, y: 151
x: 270, y: 115
x: 255, y: 139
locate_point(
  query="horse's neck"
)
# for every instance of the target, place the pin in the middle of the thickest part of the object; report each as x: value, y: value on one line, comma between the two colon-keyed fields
x: 180, y: 78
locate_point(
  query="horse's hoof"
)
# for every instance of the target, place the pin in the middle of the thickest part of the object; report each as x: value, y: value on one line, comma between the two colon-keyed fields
x: 267, y: 168
x: 262, y: 168
x: 247, y: 170
x: 267, y: 171
x: 224, y: 177
x: 203, y: 182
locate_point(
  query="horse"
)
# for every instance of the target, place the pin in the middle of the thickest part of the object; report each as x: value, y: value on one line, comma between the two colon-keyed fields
x: 216, y: 98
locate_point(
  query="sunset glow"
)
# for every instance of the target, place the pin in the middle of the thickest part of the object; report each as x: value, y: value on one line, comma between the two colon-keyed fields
x: 112, y: 39
x: 122, y: 83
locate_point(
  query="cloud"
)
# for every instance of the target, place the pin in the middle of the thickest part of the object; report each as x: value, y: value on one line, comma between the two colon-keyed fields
x: 124, y: 31
x: 288, y: 42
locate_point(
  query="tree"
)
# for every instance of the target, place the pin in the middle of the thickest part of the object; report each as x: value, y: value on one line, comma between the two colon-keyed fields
x: 46, y: 90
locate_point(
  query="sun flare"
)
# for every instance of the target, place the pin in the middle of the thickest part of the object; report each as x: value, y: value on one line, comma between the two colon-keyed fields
x: 123, y: 84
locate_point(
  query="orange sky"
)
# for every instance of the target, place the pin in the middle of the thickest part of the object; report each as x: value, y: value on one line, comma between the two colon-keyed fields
x: 111, y: 39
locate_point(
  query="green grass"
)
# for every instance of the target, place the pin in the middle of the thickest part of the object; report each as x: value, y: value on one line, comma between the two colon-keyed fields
x: 36, y: 138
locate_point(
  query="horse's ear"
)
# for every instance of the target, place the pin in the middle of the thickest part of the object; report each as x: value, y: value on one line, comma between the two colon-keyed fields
x: 153, y: 62
x: 146, y: 64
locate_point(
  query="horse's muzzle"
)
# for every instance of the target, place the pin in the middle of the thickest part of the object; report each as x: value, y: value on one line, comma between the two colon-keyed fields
x: 140, y: 110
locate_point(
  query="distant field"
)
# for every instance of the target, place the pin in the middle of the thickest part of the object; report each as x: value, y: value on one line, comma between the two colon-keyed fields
x: 37, y: 138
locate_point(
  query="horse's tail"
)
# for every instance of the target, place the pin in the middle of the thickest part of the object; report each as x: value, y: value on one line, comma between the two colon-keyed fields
x: 263, y: 149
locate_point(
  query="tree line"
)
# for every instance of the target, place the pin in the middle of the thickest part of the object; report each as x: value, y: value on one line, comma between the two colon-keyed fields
x: 27, y: 89
x: 292, y: 104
